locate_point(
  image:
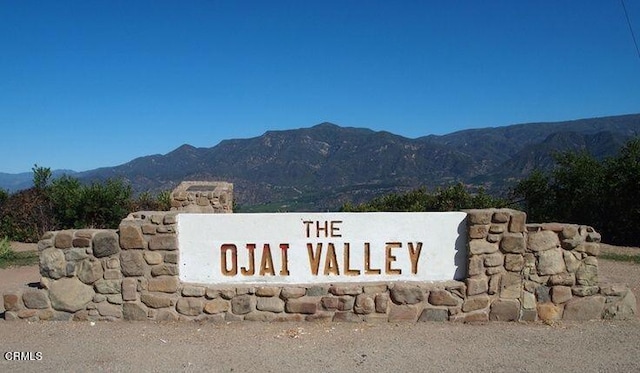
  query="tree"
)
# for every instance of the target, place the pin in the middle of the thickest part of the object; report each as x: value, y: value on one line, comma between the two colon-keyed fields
x: 583, y: 190
x: 41, y: 176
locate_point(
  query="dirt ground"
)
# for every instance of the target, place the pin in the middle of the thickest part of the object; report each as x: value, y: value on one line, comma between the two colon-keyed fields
x: 597, y: 346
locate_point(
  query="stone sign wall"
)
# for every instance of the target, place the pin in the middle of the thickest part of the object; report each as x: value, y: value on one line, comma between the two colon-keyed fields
x: 515, y: 272
x: 311, y: 248
x: 203, y: 197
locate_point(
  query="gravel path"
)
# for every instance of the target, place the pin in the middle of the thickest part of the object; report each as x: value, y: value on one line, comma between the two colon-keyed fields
x: 596, y: 346
x: 329, y: 347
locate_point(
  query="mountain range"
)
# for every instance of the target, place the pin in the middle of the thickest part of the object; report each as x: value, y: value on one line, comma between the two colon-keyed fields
x: 321, y: 167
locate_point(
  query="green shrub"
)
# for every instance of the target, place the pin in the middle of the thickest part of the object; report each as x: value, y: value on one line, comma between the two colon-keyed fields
x: 452, y: 198
x: 6, y: 252
x: 583, y: 190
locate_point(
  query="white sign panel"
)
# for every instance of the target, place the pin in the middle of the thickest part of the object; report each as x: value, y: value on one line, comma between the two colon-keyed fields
x: 302, y: 248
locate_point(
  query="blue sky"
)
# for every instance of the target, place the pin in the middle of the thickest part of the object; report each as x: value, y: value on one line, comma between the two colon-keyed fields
x: 88, y: 84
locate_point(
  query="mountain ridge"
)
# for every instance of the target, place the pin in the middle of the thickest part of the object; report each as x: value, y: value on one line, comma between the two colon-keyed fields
x: 323, y: 166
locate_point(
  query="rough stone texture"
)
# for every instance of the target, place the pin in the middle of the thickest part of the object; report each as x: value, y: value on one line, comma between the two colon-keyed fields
x: 70, y: 294
x: 513, y: 243
x: 260, y: 316
x: 11, y: 301
x: 304, y: 305
x: 164, y: 270
x: 108, y: 286
x: 63, y: 240
x: 587, y: 275
x: 528, y: 301
x: 364, y: 304
x: 582, y: 309
x: 105, y: 243
x: 571, y: 261
x: 493, y: 260
x: 36, y: 299
x: 132, y: 263
x: 403, y: 313
x: 566, y: 279
x: 109, y: 310
x: 518, y: 221
x: 342, y: 303
x: 346, y: 289
x: 513, y: 262
x: 152, y: 257
x: 382, y: 303
x: 478, y: 231
x: 505, y: 310
x: 165, y: 284
x: 129, y: 289
x: 268, y: 291
x: 155, y: 300
x: 475, y: 302
x: 75, y: 254
x: 551, y: 262
x: 477, y: 247
x: 242, y: 304
x: 89, y: 271
x: 479, y: 217
x: 216, y: 306
x: 560, y: 294
x: 406, y: 294
x: 131, y: 237
x: 511, y: 286
x: 543, y: 240
x: 434, y: 314
x: 193, y: 291
x: 477, y: 285
x: 164, y: 242
x: 190, y: 306
x: 345, y: 316
x: 171, y: 257
x: 624, y: 308
x: 52, y: 263
x: 270, y: 304
x: 134, y: 312
x: 442, y: 298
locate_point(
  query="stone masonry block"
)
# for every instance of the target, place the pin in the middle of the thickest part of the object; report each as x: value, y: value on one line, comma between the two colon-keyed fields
x: 518, y: 222
x: 163, y: 242
x: 129, y: 289
x: 407, y: 294
x: 305, y: 305
x: 131, y: 237
x: 165, y: 284
x: 64, y: 240
x: 403, y: 313
x: 440, y: 297
x: 477, y: 285
x: 513, y: 243
x: 505, y: 310
x: 105, y: 243
x: 583, y: 309
x: 477, y: 247
x: 551, y: 262
x: 543, y: 240
x: 242, y: 304
x: 132, y: 263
